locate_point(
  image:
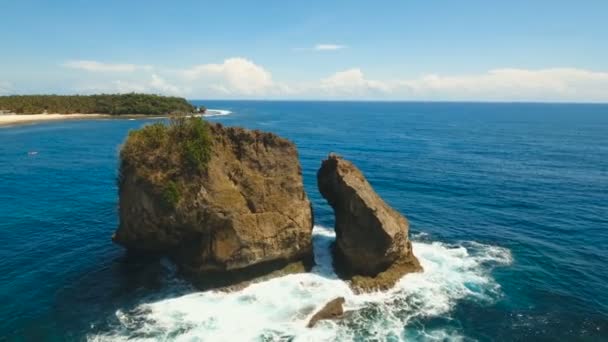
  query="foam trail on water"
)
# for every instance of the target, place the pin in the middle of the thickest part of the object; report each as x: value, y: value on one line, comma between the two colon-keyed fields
x: 279, y: 309
x: 216, y: 112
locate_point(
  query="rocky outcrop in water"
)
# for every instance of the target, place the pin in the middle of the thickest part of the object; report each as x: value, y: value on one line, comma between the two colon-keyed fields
x: 372, y: 247
x: 242, y: 214
x: 332, y: 310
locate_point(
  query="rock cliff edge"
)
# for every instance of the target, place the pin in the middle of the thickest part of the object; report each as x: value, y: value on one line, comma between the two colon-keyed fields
x: 372, y: 247
x: 226, y: 204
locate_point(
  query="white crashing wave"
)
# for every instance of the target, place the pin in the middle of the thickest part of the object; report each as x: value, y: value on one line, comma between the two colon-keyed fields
x: 216, y: 112
x: 278, y: 309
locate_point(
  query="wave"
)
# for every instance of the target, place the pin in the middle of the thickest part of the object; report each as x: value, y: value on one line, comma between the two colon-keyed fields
x: 216, y: 112
x: 208, y: 113
x: 278, y: 309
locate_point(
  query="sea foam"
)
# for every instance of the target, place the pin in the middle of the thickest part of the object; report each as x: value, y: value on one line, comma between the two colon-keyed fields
x: 216, y: 112
x: 278, y: 309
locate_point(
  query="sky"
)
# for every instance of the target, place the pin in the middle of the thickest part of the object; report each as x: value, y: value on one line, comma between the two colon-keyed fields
x: 466, y: 50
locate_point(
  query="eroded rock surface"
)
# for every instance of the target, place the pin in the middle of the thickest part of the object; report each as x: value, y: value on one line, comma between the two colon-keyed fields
x: 332, y: 310
x: 372, y: 246
x: 245, y: 215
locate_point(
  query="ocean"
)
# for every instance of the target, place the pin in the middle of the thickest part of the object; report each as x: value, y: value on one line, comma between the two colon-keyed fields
x: 508, y: 208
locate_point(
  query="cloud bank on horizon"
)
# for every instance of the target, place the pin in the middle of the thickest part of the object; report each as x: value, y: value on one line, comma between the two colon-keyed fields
x: 241, y: 78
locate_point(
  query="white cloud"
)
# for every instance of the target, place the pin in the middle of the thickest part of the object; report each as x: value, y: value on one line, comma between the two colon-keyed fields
x: 120, y: 86
x: 95, y: 66
x: 161, y: 85
x: 155, y: 84
x: 322, y: 47
x: 329, y: 47
x: 352, y: 82
x: 236, y: 76
x: 242, y: 78
x: 558, y: 84
x: 510, y: 84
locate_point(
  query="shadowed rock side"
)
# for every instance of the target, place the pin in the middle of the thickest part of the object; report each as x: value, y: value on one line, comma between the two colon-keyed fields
x: 245, y: 215
x: 372, y: 248
x: 332, y: 310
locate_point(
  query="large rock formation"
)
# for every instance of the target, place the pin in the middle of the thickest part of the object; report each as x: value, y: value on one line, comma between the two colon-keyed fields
x: 372, y: 246
x: 243, y: 214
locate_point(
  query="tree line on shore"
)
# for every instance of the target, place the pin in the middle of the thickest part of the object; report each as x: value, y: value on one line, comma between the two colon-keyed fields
x: 116, y: 104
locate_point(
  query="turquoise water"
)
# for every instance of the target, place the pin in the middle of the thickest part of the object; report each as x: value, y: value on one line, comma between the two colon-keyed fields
x: 507, y: 203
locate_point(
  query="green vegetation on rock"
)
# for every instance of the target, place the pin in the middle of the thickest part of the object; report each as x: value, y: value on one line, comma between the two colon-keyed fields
x: 116, y: 104
x: 197, y: 143
x: 164, y: 155
x: 171, y: 194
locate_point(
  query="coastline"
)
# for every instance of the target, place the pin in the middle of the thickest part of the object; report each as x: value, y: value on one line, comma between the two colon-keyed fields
x: 19, y: 119
x: 10, y: 120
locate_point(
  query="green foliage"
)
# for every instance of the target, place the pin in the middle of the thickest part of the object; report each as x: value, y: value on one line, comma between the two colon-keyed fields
x: 171, y: 194
x: 196, y: 141
x: 166, y: 156
x: 116, y: 104
x: 155, y: 134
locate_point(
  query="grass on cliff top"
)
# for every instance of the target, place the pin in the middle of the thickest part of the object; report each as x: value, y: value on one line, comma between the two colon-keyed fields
x: 115, y: 104
x: 166, y: 155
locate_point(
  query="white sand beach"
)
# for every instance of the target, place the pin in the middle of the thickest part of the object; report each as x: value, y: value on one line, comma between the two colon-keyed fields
x: 15, y: 119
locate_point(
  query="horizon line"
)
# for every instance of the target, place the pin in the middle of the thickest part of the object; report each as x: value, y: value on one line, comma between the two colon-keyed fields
x: 411, y: 101
x: 337, y: 100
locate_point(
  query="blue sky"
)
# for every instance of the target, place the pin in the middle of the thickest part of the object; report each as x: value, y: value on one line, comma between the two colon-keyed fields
x: 387, y: 50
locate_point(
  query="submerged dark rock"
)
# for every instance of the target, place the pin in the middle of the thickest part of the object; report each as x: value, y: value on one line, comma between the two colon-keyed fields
x: 372, y: 247
x: 245, y: 214
x: 332, y: 310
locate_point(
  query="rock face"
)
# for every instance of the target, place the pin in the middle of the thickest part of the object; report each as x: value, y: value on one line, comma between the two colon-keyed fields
x: 331, y: 310
x: 372, y: 246
x: 246, y: 215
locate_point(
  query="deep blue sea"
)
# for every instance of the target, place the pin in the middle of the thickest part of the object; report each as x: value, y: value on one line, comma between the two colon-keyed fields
x: 508, y: 206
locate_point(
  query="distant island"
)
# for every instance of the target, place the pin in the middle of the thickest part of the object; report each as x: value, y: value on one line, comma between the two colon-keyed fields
x: 112, y: 104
